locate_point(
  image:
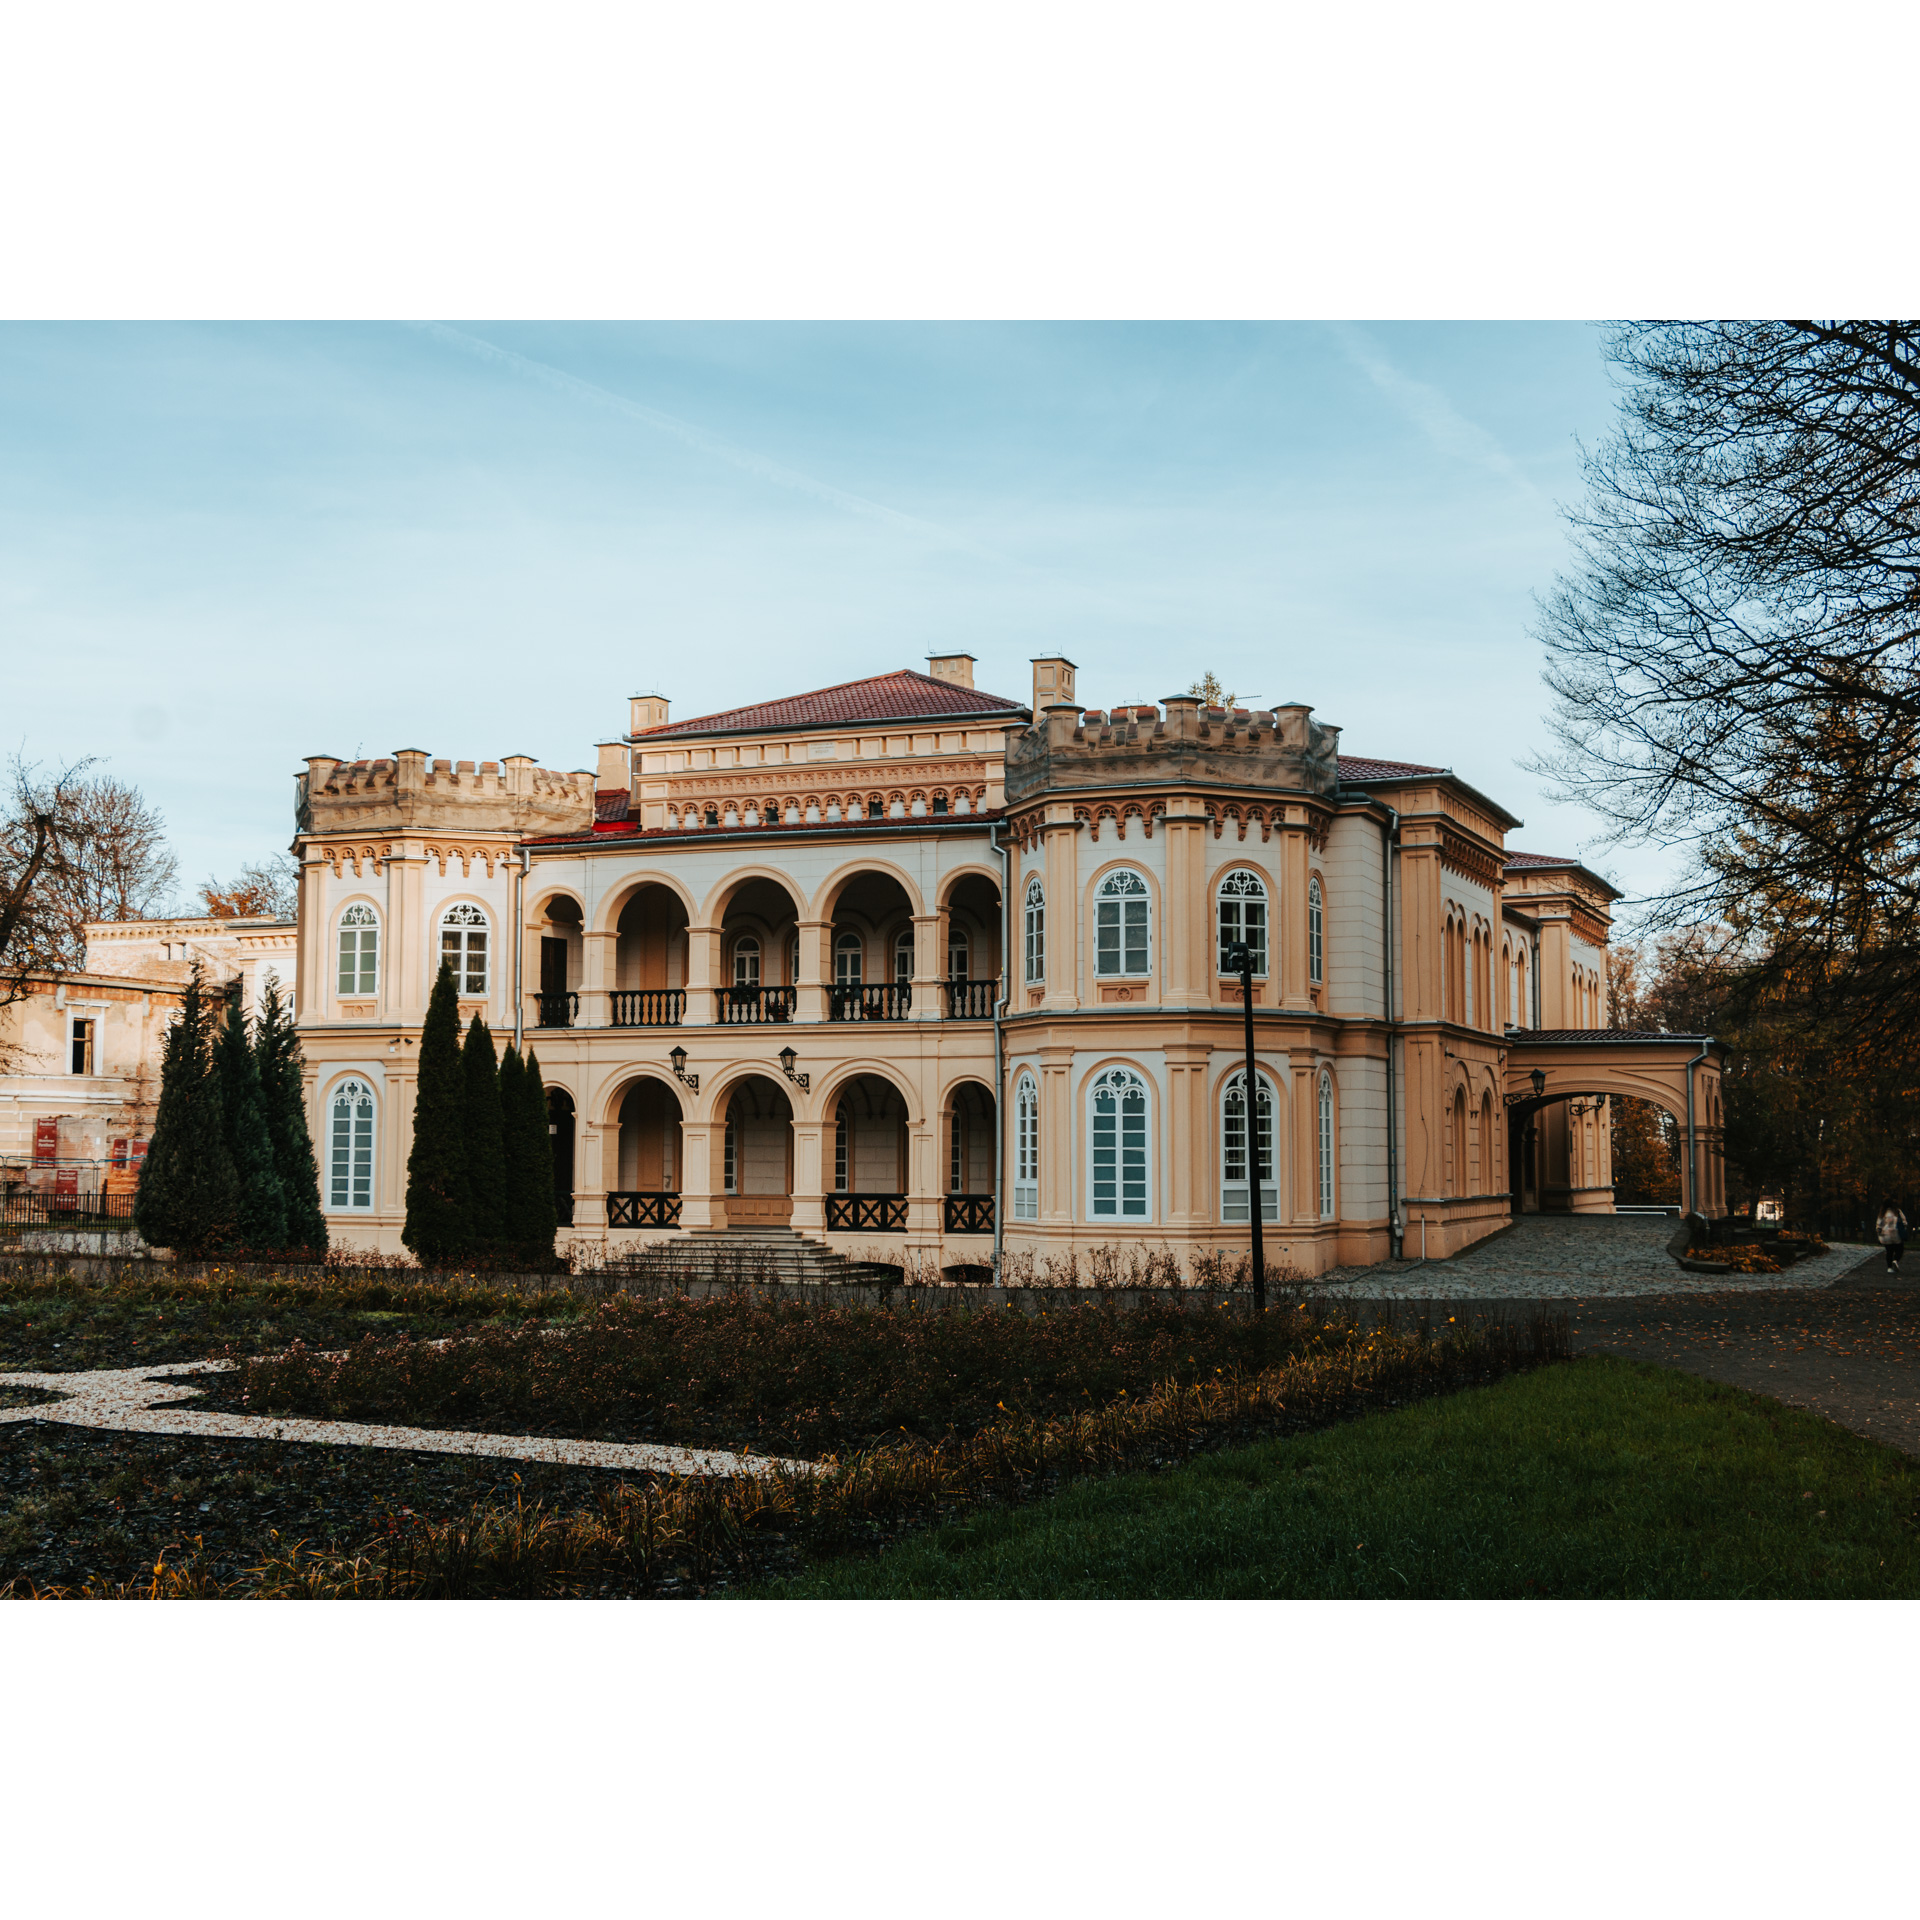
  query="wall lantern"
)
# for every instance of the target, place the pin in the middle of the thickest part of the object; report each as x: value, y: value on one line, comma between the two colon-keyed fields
x: 801, y: 1080
x: 1539, y: 1080
x: 679, y: 1058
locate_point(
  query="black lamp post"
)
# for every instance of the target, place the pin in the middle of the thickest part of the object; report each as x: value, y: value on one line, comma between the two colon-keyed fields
x: 801, y: 1080
x: 1240, y: 959
x: 679, y: 1058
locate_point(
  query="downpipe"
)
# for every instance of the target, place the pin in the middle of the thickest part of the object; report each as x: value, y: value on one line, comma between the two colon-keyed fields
x: 999, y: 1042
x: 1396, y: 1227
x: 520, y: 943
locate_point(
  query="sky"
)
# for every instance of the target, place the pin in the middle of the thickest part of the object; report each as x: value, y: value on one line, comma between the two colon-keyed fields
x: 226, y: 547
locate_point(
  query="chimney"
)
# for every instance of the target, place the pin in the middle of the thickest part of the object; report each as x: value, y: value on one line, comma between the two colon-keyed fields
x: 956, y: 668
x: 613, y: 770
x: 1052, y: 681
x: 645, y: 710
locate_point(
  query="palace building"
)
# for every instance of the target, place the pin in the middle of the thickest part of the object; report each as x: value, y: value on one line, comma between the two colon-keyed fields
x: 930, y: 976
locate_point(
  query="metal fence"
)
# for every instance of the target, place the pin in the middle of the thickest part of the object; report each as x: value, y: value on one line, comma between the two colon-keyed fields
x: 83, y: 1212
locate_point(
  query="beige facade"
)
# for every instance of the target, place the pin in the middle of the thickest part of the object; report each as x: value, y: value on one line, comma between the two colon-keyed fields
x: 759, y: 955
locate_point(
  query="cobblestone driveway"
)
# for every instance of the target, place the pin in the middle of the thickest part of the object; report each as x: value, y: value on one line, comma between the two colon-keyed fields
x: 1561, y: 1257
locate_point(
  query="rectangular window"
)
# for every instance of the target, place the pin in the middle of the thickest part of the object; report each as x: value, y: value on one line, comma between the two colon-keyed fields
x: 82, y: 1047
x: 1120, y: 937
x: 1119, y: 1157
x: 1234, y: 1199
x: 1026, y: 1160
x: 1243, y: 919
x: 351, y: 1159
x: 1036, y: 944
x: 358, y: 952
x: 465, y: 950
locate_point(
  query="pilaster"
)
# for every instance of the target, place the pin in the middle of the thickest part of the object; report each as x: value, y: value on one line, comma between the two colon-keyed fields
x: 814, y: 937
x: 599, y: 955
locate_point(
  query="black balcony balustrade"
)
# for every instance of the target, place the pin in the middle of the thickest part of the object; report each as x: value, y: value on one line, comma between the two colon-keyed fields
x: 755, y: 1006
x: 643, y: 1209
x: 866, y: 1213
x: 971, y: 999
x: 559, y: 1009
x: 967, y: 1213
x: 649, y: 1007
x: 884, y: 1000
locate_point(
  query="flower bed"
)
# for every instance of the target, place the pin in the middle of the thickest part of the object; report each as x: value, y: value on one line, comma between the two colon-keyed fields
x: 1745, y: 1259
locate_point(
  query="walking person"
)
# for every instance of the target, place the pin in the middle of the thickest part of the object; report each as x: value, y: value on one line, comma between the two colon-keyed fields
x: 1893, y: 1234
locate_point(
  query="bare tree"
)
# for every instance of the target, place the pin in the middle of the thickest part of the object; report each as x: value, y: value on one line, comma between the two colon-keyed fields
x: 263, y: 889
x: 1736, y: 659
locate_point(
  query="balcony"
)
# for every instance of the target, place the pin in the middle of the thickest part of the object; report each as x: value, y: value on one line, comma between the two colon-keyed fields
x: 643, y: 1209
x: 967, y: 1213
x: 971, y: 999
x: 887, y: 1000
x: 559, y: 1009
x: 755, y: 1006
x: 866, y: 1213
x: 652, y: 1007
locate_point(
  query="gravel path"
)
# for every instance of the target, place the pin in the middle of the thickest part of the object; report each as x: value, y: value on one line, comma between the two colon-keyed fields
x: 1562, y: 1257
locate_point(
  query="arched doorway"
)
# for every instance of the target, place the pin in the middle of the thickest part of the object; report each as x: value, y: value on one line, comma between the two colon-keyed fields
x: 968, y: 1206
x: 866, y: 1149
x: 650, y: 960
x: 873, y: 950
x: 756, y: 1155
x: 646, y: 1190
x: 560, y: 1130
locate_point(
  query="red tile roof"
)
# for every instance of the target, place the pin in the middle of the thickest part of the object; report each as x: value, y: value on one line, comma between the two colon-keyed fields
x: 1361, y: 770
x: 905, y: 695
x: 1539, y: 860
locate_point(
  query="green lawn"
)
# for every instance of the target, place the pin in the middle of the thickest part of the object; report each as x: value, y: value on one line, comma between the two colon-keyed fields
x: 1597, y: 1479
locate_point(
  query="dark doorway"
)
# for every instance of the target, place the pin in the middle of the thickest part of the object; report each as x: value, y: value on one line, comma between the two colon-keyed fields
x: 553, y: 964
x: 560, y: 1128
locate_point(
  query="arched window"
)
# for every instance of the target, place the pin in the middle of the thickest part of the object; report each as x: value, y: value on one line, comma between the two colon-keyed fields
x: 1036, y: 932
x: 359, y: 950
x: 840, y: 1137
x: 746, y: 961
x: 1026, y: 1149
x: 350, y: 1148
x: 903, y: 957
x: 1489, y: 1177
x: 463, y: 946
x: 1326, y: 1145
x: 1316, y: 932
x: 1243, y: 916
x: 1234, y: 1197
x: 957, y: 952
x: 1122, y: 942
x: 1459, y: 1141
x: 846, y: 960
x: 1117, y: 1187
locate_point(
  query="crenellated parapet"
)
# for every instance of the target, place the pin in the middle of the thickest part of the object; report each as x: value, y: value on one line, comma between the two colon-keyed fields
x: 1070, y: 749
x: 414, y: 793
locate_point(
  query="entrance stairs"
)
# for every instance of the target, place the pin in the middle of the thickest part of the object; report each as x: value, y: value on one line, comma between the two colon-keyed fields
x: 748, y: 1256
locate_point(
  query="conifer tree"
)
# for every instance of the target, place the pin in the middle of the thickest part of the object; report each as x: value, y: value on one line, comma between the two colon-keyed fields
x: 188, y: 1196
x: 486, y: 1148
x: 439, y: 1225
x: 531, y: 1221
x: 261, y: 1207
x: 276, y: 1048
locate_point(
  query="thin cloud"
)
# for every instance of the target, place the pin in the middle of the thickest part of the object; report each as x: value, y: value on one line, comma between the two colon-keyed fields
x: 1450, y: 431
x: 693, y: 436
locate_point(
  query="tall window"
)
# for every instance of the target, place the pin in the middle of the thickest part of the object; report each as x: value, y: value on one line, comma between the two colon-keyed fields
x: 903, y: 957
x: 1119, y: 1137
x: 359, y: 950
x: 350, y: 1148
x: 1036, y: 932
x: 840, y: 1131
x: 846, y: 960
x: 957, y: 955
x: 1316, y: 932
x: 80, y: 1046
x: 1243, y: 916
x: 746, y: 961
x: 1234, y: 1196
x: 730, y: 1163
x: 956, y: 1149
x: 1120, y: 931
x: 1026, y: 1150
x: 1326, y: 1146
x: 463, y: 946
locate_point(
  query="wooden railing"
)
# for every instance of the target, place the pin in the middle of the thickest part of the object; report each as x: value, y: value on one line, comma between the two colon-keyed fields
x: 967, y: 1213
x: 971, y: 999
x: 866, y: 1213
x: 884, y: 1000
x: 643, y: 1209
x: 649, y: 1007
x: 754, y: 1006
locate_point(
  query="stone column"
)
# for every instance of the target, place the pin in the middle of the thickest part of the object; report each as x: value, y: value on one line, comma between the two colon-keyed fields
x: 599, y: 957
x: 596, y: 1170
x: 815, y: 937
x: 1187, y: 1196
x: 1186, y: 959
x: 703, y: 975
x: 923, y: 1181
x: 396, y: 1142
x: 1059, y: 1130
x: 1304, y: 1072
x: 809, y: 1177
x: 702, y: 1204
x: 929, y: 966
x: 1062, y: 882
